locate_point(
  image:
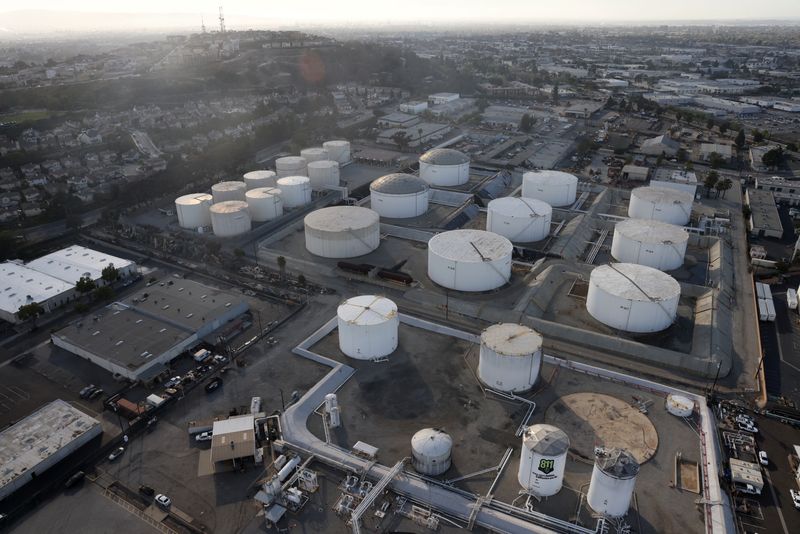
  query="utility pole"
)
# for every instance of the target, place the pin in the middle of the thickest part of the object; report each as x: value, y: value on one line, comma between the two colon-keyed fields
x: 221, y: 21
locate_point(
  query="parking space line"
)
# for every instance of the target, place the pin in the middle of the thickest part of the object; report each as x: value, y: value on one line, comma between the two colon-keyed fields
x: 775, y: 502
x: 22, y: 394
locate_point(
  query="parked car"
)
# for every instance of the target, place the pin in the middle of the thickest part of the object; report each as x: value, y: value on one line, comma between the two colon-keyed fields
x: 795, y: 498
x: 204, y: 436
x: 762, y: 458
x: 171, y: 391
x: 152, y: 421
x: 172, y: 382
x: 219, y: 358
x: 116, y: 454
x: 213, y: 384
x: 163, y: 501
x: 74, y: 479
x: 748, y: 428
x: 147, y: 490
x: 85, y: 392
x: 96, y: 393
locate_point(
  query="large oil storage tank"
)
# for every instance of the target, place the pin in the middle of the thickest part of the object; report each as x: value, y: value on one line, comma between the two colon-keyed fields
x: 469, y: 260
x: 368, y: 326
x: 661, y: 204
x: 230, y: 218
x: 295, y: 190
x: 193, y: 210
x: 399, y: 196
x: 613, y: 480
x: 264, y: 203
x: 256, y: 179
x: 444, y: 167
x: 431, y: 451
x: 631, y: 297
x: 554, y: 187
x: 323, y: 173
x: 314, y: 154
x: 510, y: 357
x: 338, y: 150
x: 652, y: 243
x: 543, y: 458
x: 521, y: 220
x: 291, y: 166
x: 224, y: 191
x: 342, y: 231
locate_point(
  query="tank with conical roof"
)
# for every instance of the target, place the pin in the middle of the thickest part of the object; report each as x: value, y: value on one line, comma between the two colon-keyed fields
x: 613, y: 481
x: 264, y: 203
x: 651, y: 243
x: 314, y: 154
x: 557, y: 188
x: 444, y: 167
x: 431, y: 451
x: 291, y: 166
x: 342, y: 231
x: 224, y: 191
x: 260, y: 178
x: 521, y: 220
x: 368, y: 327
x: 399, y: 196
x: 510, y: 357
x: 543, y: 459
x: 230, y: 218
x: 469, y: 260
x: 323, y: 173
x: 193, y: 210
x: 338, y: 150
x: 295, y: 190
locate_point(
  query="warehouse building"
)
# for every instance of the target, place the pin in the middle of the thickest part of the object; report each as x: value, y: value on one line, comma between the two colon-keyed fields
x: 41, y: 440
x: 635, y: 173
x: 136, y: 338
x: 663, y: 144
x: 785, y: 191
x: 765, y: 221
x: 72, y: 263
x: 23, y: 285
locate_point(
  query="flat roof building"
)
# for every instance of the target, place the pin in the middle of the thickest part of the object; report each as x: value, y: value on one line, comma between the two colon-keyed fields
x: 765, y: 221
x: 233, y: 438
x: 785, y: 191
x: 136, y: 337
x: 41, y: 440
x: 635, y: 173
x: 656, y: 146
x: 678, y: 180
x: 22, y: 285
x: 72, y: 263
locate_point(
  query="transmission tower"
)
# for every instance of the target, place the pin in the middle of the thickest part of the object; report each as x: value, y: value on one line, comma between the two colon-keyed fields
x: 221, y: 21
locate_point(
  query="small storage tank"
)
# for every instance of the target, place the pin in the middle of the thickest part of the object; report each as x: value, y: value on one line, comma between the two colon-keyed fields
x: 680, y: 405
x: 368, y: 327
x: 193, y: 210
x: 652, y: 243
x: 342, y: 231
x: 295, y: 191
x: 224, y: 191
x: 338, y: 150
x: 554, y: 187
x: 256, y: 179
x: 314, y: 154
x: 469, y: 260
x: 521, y: 220
x: 543, y: 458
x: 661, y: 204
x: 444, y: 167
x: 632, y: 297
x: 431, y: 451
x: 613, y: 481
x: 510, y: 357
x: 322, y: 173
x: 399, y: 196
x: 230, y: 218
x: 264, y: 203
x: 291, y: 166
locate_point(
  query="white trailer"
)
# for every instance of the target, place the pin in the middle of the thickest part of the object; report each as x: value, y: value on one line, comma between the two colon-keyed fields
x: 762, y: 309
x: 770, y: 310
x: 760, y: 290
x: 791, y: 298
x: 767, y: 292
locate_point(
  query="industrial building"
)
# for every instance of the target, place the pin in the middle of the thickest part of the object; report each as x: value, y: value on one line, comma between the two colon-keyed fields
x: 723, y: 150
x: 75, y: 262
x: 679, y: 180
x: 41, y: 440
x: 136, y: 337
x: 233, y: 439
x: 784, y: 191
x: 634, y: 173
x: 764, y: 221
x: 656, y: 146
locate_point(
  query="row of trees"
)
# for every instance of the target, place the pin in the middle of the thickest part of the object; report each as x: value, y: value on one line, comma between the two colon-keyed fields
x: 713, y: 182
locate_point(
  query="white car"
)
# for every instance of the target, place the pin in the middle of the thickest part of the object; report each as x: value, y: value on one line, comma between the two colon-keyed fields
x: 163, y: 500
x: 204, y: 436
x: 762, y: 458
x: 172, y: 382
x: 116, y: 454
x: 748, y: 428
x: 795, y: 498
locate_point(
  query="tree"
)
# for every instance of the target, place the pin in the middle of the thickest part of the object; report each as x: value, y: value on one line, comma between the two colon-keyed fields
x: 723, y: 185
x: 402, y: 139
x: 239, y: 253
x: 281, y: 265
x: 555, y: 94
x: 757, y: 136
x: 660, y: 159
x: 711, y: 180
x: 773, y: 158
x: 681, y: 155
x: 301, y: 280
x: 792, y: 147
x: 419, y: 133
x: 710, y: 123
x: 103, y: 293
x: 723, y: 127
x: 526, y: 123
x: 716, y: 161
x: 109, y: 273
x: 84, y: 285
x: 30, y: 311
x: 740, y: 139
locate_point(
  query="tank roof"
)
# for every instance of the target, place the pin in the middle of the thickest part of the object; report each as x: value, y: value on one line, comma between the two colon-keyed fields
x: 263, y: 192
x: 635, y: 282
x: 521, y: 207
x: 399, y: 183
x: 444, y: 156
x: 546, y: 440
x: 291, y: 159
x: 662, y: 195
x: 336, y: 142
x: 259, y: 174
x: 651, y: 231
x: 617, y: 463
x: 470, y: 245
x: 293, y: 180
x: 365, y: 310
x: 432, y: 442
x: 228, y: 186
x: 323, y: 164
x: 341, y: 218
x: 193, y: 199
x: 511, y: 339
x: 315, y: 150
x: 229, y: 206
x: 550, y: 177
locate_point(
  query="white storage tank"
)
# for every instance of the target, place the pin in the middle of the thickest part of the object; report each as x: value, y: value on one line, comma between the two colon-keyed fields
x: 338, y: 150
x: 342, y: 231
x: 543, y: 458
x: 444, y: 167
x: 469, y: 260
x: 661, y: 204
x: 256, y: 179
x: 613, y: 480
x: 431, y: 451
x: 230, y: 218
x: 632, y: 297
x: 322, y: 173
x: 264, y: 203
x: 314, y: 154
x: 652, y: 243
x: 680, y: 405
x: 399, y: 196
x: 510, y: 357
x: 291, y: 166
x: 295, y: 190
x: 521, y: 220
x: 554, y: 187
x: 193, y: 210
x: 368, y: 326
x: 224, y: 191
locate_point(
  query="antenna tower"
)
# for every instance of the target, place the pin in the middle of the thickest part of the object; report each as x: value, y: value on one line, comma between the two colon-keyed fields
x: 221, y: 21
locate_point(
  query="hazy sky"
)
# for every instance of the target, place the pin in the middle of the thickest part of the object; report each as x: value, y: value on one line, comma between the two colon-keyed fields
x: 443, y: 10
